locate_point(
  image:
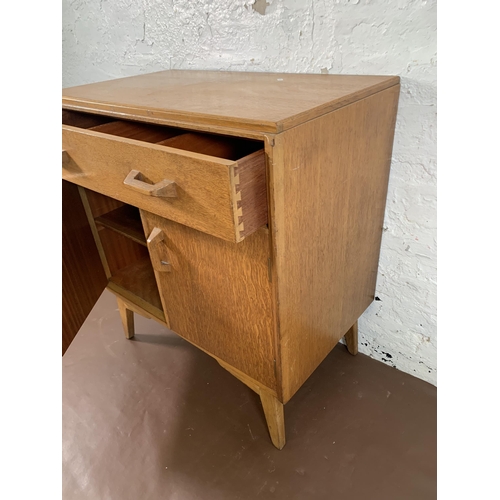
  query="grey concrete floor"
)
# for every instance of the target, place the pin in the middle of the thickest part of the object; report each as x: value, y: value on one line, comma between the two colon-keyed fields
x: 155, y: 418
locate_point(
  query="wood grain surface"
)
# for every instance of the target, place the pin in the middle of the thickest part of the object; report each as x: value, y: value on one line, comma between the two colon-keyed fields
x: 83, y: 277
x: 138, y: 279
x: 125, y: 220
x: 123, y: 254
x: 243, y: 377
x: 230, y: 148
x: 330, y: 178
x: 218, y: 295
x: 351, y: 339
x: 83, y: 120
x: 138, y: 131
x: 250, y: 194
x: 120, y: 251
x: 275, y: 418
x: 127, y: 317
x: 204, y: 193
x: 268, y: 102
x: 99, y: 204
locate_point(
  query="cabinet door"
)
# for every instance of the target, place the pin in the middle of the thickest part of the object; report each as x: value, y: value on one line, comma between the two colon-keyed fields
x: 216, y: 293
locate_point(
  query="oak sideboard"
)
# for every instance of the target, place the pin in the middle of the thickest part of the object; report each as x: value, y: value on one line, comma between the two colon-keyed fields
x: 243, y: 211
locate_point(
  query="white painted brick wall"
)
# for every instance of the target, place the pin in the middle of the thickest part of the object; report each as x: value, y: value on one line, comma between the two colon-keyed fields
x: 104, y: 39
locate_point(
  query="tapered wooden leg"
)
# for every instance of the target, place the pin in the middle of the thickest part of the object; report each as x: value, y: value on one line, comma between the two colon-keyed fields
x: 127, y: 318
x: 351, y: 339
x: 273, y: 409
x: 275, y: 418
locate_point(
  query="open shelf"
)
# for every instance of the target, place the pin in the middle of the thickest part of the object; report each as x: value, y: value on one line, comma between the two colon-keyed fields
x: 137, y: 283
x: 121, y: 242
x: 125, y: 220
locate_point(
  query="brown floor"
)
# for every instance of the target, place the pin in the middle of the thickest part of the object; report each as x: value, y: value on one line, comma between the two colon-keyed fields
x: 155, y: 418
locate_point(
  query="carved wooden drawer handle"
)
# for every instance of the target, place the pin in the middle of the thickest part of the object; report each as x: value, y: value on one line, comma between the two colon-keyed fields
x: 162, y: 189
x: 156, y: 249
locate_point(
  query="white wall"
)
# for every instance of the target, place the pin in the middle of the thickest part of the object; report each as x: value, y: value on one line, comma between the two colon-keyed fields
x: 105, y: 39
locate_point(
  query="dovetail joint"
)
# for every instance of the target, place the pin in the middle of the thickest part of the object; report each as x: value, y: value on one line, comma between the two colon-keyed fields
x: 236, y: 193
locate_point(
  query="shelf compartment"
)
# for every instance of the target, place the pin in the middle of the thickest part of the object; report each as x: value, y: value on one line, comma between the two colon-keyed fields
x: 137, y: 283
x: 125, y: 220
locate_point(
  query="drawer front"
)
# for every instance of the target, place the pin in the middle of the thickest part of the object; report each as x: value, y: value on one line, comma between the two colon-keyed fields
x: 224, y: 198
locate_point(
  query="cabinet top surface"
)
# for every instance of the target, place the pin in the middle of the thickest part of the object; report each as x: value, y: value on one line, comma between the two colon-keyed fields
x: 264, y: 102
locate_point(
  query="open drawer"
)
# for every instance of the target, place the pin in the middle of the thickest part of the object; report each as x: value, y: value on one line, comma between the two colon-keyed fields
x: 212, y: 183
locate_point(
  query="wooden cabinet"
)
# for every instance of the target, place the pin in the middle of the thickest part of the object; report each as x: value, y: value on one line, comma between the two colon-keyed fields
x: 243, y: 211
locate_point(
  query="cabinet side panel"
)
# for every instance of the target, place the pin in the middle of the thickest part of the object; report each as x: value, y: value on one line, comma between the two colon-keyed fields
x: 83, y: 278
x: 330, y: 178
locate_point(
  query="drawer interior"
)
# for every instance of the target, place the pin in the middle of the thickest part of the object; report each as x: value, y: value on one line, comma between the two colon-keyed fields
x: 138, y: 131
x: 226, y: 147
x: 229, y: 148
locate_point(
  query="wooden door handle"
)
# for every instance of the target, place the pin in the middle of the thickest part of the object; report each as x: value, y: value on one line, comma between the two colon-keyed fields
x: 157, y: 251
x: 162, y: 189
